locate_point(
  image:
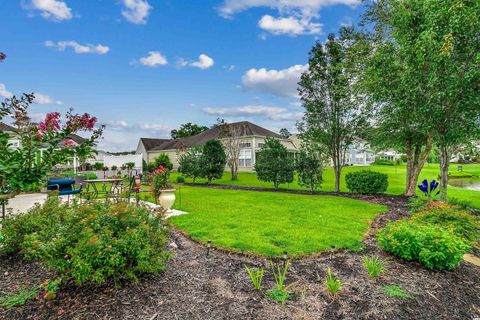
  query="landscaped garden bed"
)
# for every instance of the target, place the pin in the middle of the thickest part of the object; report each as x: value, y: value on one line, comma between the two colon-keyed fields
x: 203, y: 283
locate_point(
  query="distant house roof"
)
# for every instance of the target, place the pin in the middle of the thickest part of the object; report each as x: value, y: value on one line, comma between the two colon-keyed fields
x: 6, y: 127
x: 76, y: 138
x: 244, y: 128
x: 150, y: 143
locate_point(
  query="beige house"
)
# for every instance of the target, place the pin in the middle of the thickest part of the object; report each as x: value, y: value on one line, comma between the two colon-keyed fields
x: 251, y: 138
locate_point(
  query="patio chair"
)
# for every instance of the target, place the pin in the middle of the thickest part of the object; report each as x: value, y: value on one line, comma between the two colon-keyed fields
x: 65, y: 187
x: 131, y: 188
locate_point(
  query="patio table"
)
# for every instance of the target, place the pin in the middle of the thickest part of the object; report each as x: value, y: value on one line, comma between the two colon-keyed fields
x: 115, y: 186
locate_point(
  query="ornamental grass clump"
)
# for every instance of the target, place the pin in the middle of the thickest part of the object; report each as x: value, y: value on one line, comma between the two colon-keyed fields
x: 256, y: 276
x: 332, y: 284
x: 374, y: 265
x: 95, y: 242
x: 280, y: 293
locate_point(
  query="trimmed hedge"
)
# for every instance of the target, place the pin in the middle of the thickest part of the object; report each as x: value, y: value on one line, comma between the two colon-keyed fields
x: 367, y: 182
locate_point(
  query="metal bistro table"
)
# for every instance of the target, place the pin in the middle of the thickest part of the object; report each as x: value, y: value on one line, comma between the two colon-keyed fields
x: 115, y: 187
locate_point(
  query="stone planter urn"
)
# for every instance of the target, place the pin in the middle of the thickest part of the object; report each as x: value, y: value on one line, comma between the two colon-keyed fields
x: 166, y: 199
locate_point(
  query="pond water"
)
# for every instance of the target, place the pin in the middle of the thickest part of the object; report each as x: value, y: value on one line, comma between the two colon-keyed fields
x: 470, y: 183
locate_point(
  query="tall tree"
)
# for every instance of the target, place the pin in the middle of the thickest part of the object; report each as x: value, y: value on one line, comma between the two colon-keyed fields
x: 439, y: 41
x: 274, y: 164
x: 230, y: 136
x: 213, y: 160
x: 332, y: 113
x: 187, y: 130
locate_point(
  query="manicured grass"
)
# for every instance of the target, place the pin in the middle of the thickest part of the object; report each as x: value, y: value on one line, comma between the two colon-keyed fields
x: 269, y: 223
x: 396, y: 179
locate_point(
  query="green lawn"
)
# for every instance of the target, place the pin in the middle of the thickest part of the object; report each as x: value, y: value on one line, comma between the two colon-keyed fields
x: 269, y: 223
x: 396, y: 175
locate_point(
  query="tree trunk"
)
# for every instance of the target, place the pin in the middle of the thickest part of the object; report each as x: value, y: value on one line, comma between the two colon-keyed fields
x: 416, y: 159
x: 338, y: 173
x: 444, y: 159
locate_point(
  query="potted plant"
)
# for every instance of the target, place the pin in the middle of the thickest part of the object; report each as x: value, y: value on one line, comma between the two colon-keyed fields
x: 161, y: 188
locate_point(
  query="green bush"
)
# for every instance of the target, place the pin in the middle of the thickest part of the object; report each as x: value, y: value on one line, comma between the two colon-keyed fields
x: 464, y: 224
x: 383, y: 162
x: 162, y: 160
x: 367, y: 182
x: 434, y: 246
x: 91, y: 243
x: 180, y: 179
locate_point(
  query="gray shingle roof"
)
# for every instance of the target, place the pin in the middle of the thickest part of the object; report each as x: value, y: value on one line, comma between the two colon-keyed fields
x: 245, y: 129
x: 150, y: 143
x: 6, y: 127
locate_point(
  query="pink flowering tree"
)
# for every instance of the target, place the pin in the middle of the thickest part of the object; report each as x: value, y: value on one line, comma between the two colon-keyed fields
x: 42, y: 145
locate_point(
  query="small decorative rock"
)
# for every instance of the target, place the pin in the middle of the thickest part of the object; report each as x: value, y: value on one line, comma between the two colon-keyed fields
x: 173, y: 245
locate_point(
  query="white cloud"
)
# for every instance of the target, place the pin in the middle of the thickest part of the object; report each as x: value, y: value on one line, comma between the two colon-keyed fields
x: 44, y: 99
x: 305, y: 7
x: 229, y: 68
x: 4, y: 93
x: 181, y: 62
x: 291, y: 26
x: 154, y: 59
x: 296, y: 104
x: 119, y: 135
x: 204, y: 62
x: 278, y: 82
x: 136, y: 11
x: 55, y: 10
x: 77, y: 47
x: 268, y: 112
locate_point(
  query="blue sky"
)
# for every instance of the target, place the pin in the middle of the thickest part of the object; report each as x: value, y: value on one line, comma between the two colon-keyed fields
x: 143, y: 67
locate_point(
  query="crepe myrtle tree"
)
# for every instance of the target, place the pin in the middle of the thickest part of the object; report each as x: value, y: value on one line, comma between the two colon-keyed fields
x: 333, y: 115
x: 230, y: 136
x: 213, y: 160
x: 42, y: 145
x: 274, y: 164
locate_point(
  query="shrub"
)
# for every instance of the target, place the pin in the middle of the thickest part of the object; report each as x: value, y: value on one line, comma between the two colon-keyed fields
x: 464, y: 224
x: 367, y: 182
x: 309, y: 167
x: 212, y: 160
x: 97, y: 166
x: 162, y: 160
x: 383, y: 162
x: 114, y: 168
x: 189, y: 163
x: 434, y: 246
x: 416, y: 204
x: 90, y: 243
x: 274, y: 163
x: 180, y: 179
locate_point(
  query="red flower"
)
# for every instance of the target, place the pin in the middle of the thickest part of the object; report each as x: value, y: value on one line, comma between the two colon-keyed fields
x: 51, y: 122
x: 39, y: 135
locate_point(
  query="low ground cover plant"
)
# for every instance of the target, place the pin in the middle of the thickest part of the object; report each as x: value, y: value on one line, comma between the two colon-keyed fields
x: 395, y: 291
x: 281, y: 292
x: 367, y: 182
x: 437, y: 236
x: 95, y: 242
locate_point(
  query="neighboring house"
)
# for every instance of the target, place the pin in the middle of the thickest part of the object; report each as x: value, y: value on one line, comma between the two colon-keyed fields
x: 251, y: 139
x: 358, y: 153
x: 145, y: 145
x: 389, y: 154
x: 13, y: 138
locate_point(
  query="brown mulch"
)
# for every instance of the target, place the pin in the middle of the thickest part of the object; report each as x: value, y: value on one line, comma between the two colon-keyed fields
x: 197, y: 286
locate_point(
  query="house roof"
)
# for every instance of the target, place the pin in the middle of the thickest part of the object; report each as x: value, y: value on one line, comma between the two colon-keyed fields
x: 150, y: 143
x: 76, y: 138
x: 6, y: 127
x: 244, y: 128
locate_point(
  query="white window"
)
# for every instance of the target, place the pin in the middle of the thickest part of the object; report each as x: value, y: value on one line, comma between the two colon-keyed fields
x: 245, y: 145
x: 245, y: 158
x: 359, y: 158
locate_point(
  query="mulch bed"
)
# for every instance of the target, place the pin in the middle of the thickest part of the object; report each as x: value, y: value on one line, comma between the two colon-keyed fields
x: 197, y: 286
